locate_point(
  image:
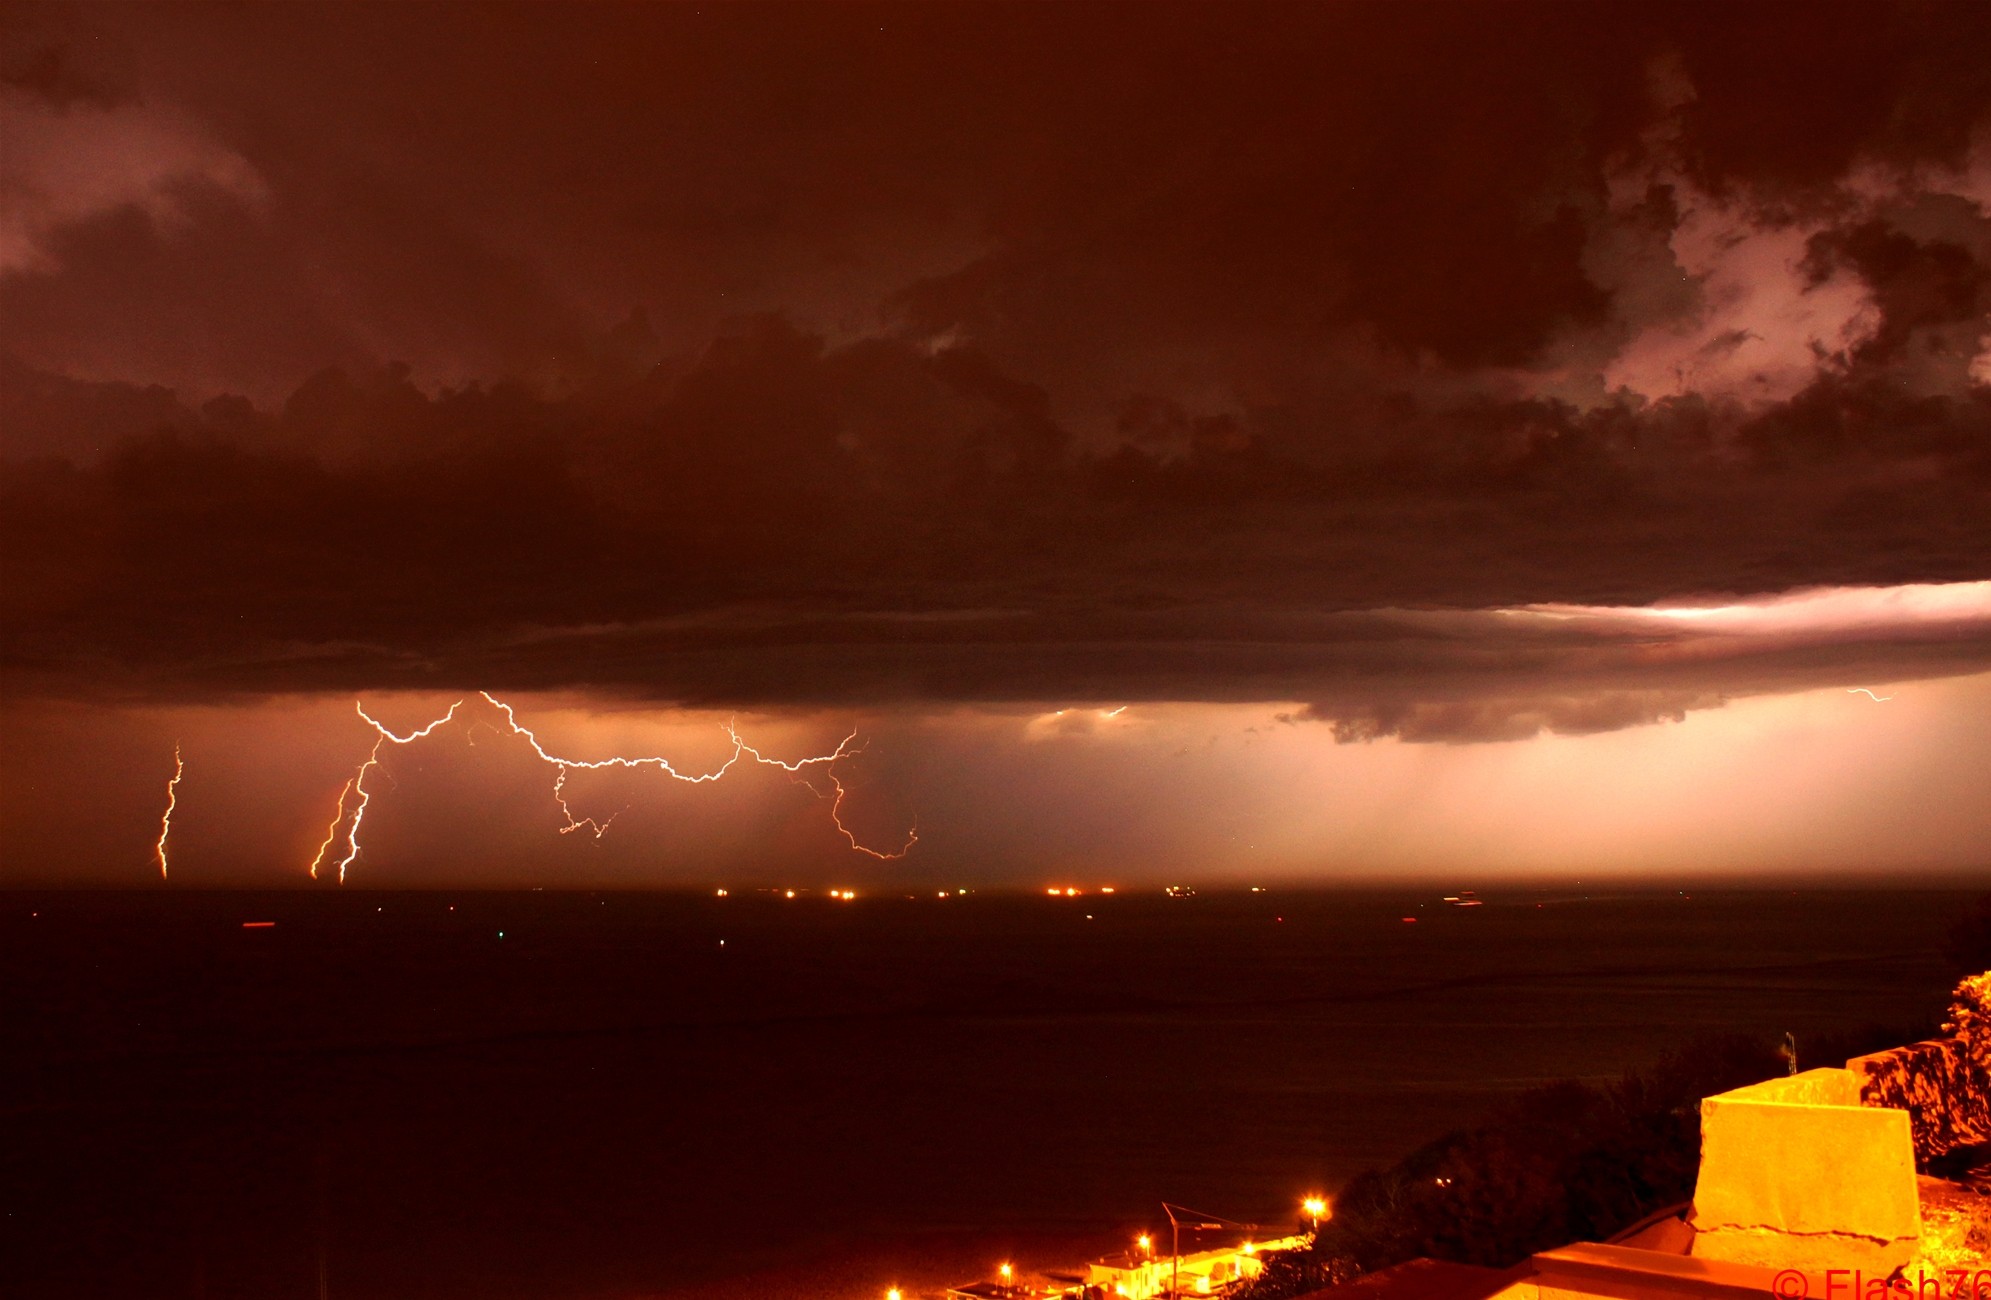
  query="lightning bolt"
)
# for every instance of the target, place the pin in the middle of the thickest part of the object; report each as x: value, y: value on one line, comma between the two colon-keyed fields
x: 357, y: 785
x: 802, y: 769
x: 166, y: 818
x: 828, y: 763
x: 1861, y: 690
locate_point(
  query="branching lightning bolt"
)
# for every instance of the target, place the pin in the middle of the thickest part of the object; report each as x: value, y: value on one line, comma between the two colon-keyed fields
x: 1861, y: 690
x: 802, y: 768
x: 166, y: 818
x: 357, y: 785
x: 828, y: 762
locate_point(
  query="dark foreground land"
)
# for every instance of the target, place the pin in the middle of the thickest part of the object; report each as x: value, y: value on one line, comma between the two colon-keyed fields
x: 563, y: 1095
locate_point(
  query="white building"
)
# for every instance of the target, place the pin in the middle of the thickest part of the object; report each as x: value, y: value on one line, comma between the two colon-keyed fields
x: 1203, y: 1272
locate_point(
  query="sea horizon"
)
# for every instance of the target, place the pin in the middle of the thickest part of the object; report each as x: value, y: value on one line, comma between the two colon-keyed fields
x: 596, y: 1093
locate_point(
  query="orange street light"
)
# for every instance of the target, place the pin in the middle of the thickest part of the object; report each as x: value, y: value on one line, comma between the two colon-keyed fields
x: 1144, y: 1241
x: 1316, y: 1208
x: 893, y: 1293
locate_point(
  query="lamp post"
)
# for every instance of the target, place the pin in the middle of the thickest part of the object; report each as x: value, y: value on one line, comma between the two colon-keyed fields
x: 1316, y: 1208
x: 1008, y: 1278
x: 1174, y: 1254
x: 1199, y: 1224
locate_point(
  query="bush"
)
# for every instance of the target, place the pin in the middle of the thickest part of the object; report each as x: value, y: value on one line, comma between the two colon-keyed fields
x: 1970, y: 1016
x: 1567, y: 1162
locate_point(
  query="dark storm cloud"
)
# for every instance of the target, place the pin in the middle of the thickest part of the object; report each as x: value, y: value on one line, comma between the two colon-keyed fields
x: 1503, y: 719
x: 990, y: 353
x: 1923, y: 289
x: 780, y: 521
x: 61, y: 56
x: 1103, y: 197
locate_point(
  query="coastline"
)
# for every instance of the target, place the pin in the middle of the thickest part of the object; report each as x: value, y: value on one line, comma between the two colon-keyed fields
x: 601, y: 1104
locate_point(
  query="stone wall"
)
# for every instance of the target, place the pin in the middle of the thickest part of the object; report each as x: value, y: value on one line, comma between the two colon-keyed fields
x: 1798, y: 1173
x: 1943, y: 1086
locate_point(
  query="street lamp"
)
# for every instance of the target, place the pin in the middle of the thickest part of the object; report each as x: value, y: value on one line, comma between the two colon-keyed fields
x: 1198, y: 1222
x: 1316, y: 1208
x: 1008, y: 1276
x: 893, y: 1293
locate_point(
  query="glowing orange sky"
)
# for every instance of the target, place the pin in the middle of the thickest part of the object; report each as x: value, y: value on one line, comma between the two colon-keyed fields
x: 1826, y: 779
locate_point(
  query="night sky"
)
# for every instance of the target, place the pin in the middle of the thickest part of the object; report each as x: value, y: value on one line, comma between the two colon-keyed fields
x: 1219, y: 442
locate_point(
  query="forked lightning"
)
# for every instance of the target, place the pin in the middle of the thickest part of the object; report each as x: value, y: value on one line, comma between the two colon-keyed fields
x: 822, y: 765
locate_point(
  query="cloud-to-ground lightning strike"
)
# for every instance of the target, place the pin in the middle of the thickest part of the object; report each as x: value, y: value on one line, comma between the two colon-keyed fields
x: 802, y: 768
x: 357, y: 785
x: 828, y: 762
x: 1861, y: 690
x: 166, y: 818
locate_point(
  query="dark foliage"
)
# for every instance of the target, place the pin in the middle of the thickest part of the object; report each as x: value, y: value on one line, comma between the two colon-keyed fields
x: 1567, y: 1162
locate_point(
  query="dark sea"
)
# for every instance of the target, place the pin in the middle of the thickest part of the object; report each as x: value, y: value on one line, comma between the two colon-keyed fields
x: 439, y: 1096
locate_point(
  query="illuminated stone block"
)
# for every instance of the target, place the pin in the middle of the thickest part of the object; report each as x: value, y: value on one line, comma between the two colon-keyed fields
x: 1796, y: 1173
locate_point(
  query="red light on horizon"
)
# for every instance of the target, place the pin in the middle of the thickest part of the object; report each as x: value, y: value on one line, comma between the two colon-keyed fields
x: 258, y: 925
